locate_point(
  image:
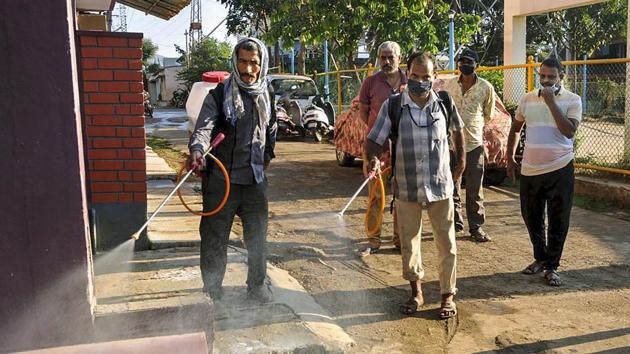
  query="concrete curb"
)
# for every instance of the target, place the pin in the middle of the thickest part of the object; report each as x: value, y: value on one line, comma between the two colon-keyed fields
x: 288, y: 290
x: 161, y: 176
x: 161, y: 245
x: 604, y: 190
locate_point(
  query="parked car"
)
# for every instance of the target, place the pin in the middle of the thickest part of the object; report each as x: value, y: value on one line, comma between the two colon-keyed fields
x: 300, y: 108
x: 300, y: 89
x: 350, y: 133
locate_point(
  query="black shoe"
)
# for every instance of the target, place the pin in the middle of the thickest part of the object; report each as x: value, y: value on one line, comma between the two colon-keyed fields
x: 260, y: 293
x: 214, y: 294
x: 459, y: 228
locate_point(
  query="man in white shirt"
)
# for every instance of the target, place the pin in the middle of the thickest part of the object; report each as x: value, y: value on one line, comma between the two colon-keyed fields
x: 552, y: 115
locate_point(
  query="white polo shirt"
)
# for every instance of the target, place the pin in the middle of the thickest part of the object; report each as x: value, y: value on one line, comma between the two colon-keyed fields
x: 546, y: 148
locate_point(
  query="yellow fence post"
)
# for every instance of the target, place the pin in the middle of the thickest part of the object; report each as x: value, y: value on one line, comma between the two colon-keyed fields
x: 530, y: 73
x: 338, y: 92
x: 370, y: 68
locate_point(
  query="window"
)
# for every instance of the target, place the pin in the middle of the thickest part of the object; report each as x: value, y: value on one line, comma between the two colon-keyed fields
x: 298, y: 88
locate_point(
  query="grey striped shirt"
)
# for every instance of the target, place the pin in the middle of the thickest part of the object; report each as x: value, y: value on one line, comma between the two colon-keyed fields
x: 422, y: 171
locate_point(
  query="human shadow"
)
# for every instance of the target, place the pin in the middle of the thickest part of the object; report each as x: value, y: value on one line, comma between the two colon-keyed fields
x: 551, y: 344
x: 370, y: 305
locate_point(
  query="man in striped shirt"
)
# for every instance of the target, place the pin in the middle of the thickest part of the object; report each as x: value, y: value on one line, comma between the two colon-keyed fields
x: 419, y: 120
x: 552, y: 115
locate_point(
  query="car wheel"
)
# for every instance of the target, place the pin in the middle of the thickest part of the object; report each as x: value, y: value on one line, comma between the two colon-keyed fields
x: 344, y: 159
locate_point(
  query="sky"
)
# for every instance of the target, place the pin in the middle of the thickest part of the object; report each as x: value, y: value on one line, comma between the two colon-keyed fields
x: 166, y: 33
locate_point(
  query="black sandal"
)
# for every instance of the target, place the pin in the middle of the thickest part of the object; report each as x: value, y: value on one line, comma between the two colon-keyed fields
x: 368, y: 251
x: 411, y: 306
x: 479, y: 236
x: 534, y: 268
x: 553, y: 279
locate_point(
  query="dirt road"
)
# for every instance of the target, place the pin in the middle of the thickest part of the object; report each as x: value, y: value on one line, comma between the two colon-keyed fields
x: 500, y: 309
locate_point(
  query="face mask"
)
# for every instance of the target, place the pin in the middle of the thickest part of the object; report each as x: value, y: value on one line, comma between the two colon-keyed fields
x: 554, y: 87
x: 466, y: 69
x: 419, y: 88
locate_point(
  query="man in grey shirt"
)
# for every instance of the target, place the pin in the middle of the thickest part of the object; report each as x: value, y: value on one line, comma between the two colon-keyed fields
x: 240, y: 108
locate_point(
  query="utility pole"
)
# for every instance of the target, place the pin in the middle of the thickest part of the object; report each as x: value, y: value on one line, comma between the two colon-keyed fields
x: 451, y: 41
x: 326, y: 69
x: 109, y: 16
x: 187, y: 54
x: 196, y: 33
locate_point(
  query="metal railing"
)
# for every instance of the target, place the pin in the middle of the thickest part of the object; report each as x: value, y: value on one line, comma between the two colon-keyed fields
x: 603, y: 139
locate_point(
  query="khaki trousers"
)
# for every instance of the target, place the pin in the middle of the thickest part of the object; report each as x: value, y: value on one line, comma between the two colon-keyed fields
x: 441, y: 215
x: 375, y: 236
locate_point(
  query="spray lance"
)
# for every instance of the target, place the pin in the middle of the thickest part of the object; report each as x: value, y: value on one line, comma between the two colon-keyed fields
x: 219, y: 138
x: 370, y: 176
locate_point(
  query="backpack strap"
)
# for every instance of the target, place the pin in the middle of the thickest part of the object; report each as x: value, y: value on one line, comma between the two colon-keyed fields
x: 394, y: 112
x: 447, y: 109
x: 220, y: 125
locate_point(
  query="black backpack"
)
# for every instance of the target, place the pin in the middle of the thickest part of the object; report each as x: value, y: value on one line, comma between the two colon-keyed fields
x: 395, y: 111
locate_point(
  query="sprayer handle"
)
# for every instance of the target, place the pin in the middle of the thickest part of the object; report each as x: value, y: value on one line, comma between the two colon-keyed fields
x: 217, y: 140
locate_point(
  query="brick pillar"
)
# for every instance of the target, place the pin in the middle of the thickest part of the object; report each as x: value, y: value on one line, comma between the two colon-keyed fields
x: 111, y: 75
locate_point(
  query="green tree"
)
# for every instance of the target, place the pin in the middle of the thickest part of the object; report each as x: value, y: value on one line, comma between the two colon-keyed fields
x: 413, y: 23
x: 580, y: 30
x: 417, y: 24
x: 209, y: 54
x: 488, y: 40
x: 148, y: 50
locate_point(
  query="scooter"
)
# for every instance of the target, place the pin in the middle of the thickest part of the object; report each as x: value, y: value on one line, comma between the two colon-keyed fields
x: 289, y: 118
x: 318, y: 119
x: 148, y: 107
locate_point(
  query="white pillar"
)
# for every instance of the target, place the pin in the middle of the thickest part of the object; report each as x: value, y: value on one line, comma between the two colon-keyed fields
x: 514, y: 41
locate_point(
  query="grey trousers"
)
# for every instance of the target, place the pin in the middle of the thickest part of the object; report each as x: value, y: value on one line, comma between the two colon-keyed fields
x: 475, y: 211
x: 249, y: 202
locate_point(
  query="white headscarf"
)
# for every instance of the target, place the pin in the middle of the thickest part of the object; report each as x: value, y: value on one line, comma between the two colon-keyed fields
x: 233, y: 103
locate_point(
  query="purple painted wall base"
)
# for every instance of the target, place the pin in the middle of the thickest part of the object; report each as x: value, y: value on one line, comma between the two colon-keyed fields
x: 45, y: 263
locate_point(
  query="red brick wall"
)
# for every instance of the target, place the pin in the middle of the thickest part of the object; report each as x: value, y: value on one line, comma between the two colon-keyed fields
x: 111, y: 75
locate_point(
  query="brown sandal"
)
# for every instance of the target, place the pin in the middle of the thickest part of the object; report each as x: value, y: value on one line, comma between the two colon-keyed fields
x: 448, y: 309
